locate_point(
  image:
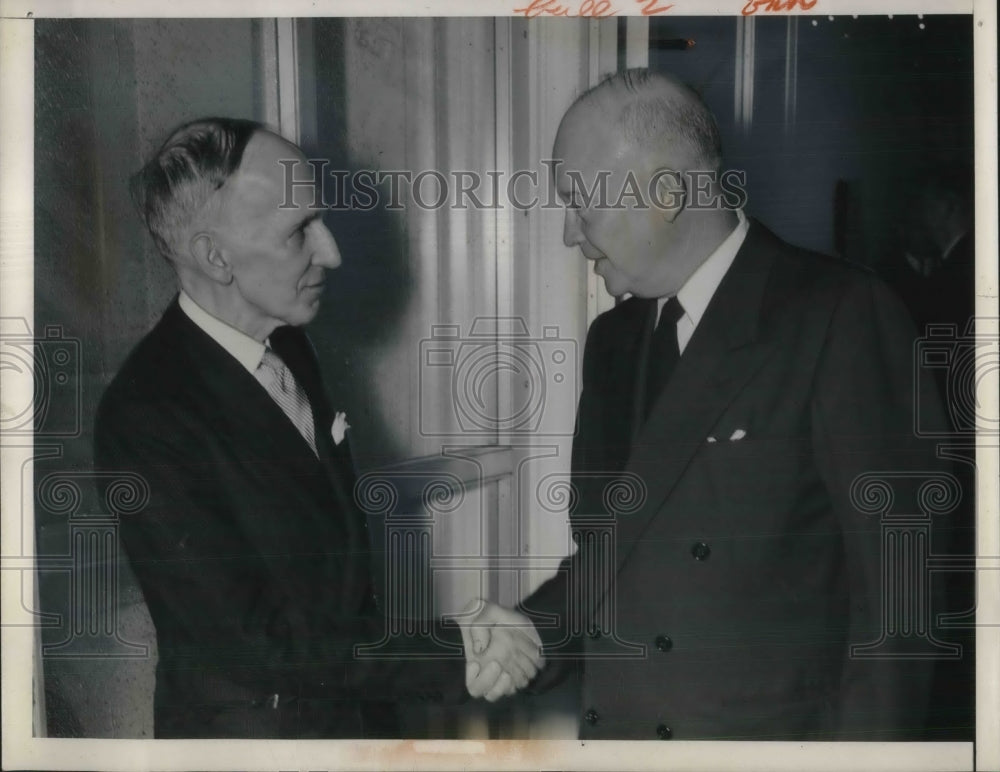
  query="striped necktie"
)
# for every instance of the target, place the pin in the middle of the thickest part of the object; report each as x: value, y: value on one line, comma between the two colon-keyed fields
x: 274, y: 375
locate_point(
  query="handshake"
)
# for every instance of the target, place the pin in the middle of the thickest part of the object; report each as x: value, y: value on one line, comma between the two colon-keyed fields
x: 502, y: 650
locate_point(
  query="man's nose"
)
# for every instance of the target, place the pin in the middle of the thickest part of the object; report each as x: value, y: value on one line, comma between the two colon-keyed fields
x: 325, y: 250
x: 572, y: 233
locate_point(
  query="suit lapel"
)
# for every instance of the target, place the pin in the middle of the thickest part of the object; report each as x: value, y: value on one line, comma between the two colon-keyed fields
x: 724, y: 353
x: 639, y: 351
x: 620, y: 414
x: 244, y: 415
x: 304, y: 500
x: 297, y: 351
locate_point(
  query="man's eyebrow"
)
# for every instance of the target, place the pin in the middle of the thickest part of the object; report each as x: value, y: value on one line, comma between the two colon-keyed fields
x: 309, y: 219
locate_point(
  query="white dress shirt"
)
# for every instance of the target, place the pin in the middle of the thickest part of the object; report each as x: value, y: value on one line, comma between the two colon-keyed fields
x: 247, y: 351
x: 698, y: 290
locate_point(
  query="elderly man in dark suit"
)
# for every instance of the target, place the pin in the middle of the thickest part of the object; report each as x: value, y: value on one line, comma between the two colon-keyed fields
x: 738, y: 393
x: 253, y: 559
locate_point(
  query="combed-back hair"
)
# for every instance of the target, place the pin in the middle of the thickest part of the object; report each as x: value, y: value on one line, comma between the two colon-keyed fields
x: 659, y: 113
x: 194, y: 162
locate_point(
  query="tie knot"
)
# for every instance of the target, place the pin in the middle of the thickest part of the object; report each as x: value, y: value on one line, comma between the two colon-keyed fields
x: 672, y: 312
x: 271, y: 361
x: 275, y: 365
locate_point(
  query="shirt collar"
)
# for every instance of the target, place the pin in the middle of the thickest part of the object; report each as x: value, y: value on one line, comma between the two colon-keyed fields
x: 698, y: 290
x: 247, y: 351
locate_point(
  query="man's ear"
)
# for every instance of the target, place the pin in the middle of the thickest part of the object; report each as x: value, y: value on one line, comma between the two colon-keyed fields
x: 209, y: 258
x: 669, y: 192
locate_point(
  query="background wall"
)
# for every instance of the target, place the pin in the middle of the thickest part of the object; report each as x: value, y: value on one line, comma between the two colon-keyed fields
x: 874, y: 101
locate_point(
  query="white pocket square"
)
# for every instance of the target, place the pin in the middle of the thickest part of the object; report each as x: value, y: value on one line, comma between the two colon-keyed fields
x: 339, y: 428
x: 736, y: 436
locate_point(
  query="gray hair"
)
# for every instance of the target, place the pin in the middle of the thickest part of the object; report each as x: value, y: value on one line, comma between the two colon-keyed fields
x: 177, y: 183
x: 660, y: 112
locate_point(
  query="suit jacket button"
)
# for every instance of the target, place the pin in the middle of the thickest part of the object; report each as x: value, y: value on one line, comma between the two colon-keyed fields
x: 663, y: 643
x: 701, y: 551
x: 590, y: 716
x: 664, y: 732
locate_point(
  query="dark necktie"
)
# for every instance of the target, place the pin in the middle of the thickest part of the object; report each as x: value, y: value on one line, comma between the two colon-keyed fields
x: 663, y: 352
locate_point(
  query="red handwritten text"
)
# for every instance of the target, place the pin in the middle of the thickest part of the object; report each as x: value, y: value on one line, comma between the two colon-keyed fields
x: 592, y: 8
x: 595, y: 8
x: 776, y: 6
x: 650, y: 8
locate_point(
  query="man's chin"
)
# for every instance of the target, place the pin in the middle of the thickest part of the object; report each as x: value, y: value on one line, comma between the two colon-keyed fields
x: 304, y: 314
x: 612, y: 283
x: 614, y: 288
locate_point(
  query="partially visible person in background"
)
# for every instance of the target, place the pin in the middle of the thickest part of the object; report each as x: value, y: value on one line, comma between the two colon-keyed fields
x: 935, y: 274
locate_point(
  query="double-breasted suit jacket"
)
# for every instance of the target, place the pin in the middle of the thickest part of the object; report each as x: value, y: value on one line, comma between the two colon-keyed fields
x: 719, y: 591
x: 253, y: 558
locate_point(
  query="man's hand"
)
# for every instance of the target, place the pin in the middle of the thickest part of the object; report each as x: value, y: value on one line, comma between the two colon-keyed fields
x: 502, y: 650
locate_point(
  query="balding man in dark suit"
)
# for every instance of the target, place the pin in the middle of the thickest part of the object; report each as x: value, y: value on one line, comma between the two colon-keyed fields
x: 741, y: 391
